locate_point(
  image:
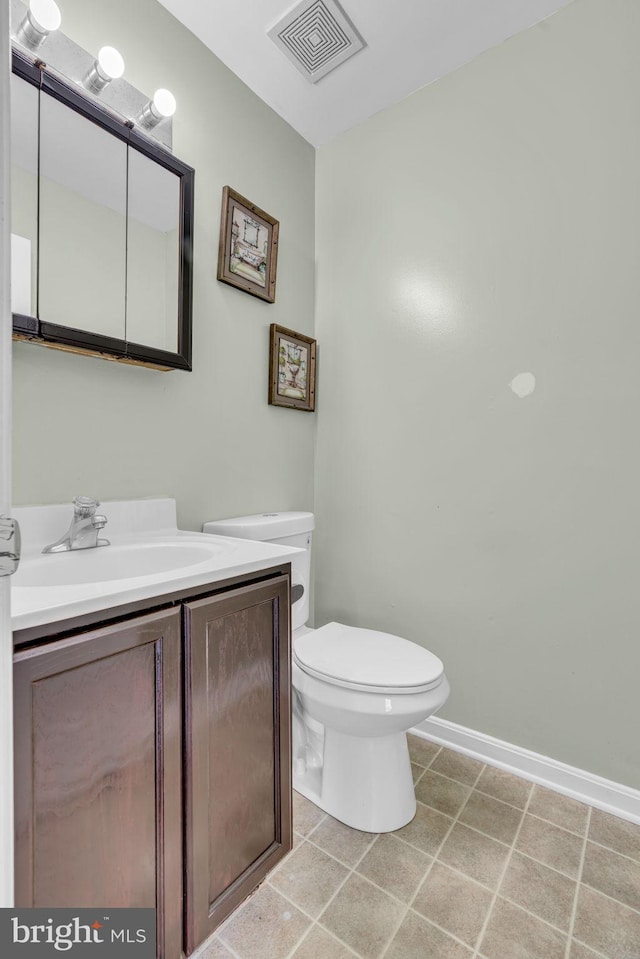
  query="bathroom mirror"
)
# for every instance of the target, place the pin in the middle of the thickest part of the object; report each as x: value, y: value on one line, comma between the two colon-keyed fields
x: 153, y: 253
x: 24, y: 197
x: 82, y: 221
x: 101, y: 260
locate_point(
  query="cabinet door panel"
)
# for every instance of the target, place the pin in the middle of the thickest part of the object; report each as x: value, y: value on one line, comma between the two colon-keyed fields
x: 97, y: 752
x: 94, y: 783
x: 238, y: 811
x: 240, y: 664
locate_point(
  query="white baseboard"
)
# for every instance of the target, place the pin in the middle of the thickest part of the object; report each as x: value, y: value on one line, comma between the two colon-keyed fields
x: 584, y: 786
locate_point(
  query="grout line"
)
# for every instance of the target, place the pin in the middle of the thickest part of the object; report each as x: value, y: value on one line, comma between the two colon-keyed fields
x: 430, y: 867
x: 558, y: 872
x: 221, y: 940
x: 447, y: 932
x: 476, y: 952
x: 476, y: 830
x: 335, y: 938
x: 572, y: 832
x: 410, y: 906
x: 350, y: 872
x: 344, y: 864
x: 605, y: 895
x: 317, y: 825
x: 299, y: 942
x: 614, y: 851
x: 574, y: 910
x: 296, y: 905
x: 534, y: 915
x: 229, y: 949
x: 597, y: 954
x: 416, y: 781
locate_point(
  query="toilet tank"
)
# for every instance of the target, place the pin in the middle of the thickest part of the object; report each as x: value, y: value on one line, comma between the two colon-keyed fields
x: 285, y: 529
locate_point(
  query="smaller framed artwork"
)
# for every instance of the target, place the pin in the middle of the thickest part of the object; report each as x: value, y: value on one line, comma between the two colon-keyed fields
x: 292, y: 370
x: 248, y: 251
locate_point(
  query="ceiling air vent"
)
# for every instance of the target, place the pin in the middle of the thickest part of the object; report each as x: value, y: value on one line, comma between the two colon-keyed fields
x: 317, y: 37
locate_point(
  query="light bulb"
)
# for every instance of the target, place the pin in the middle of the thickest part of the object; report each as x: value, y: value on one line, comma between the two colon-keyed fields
x: 109, y: 66
x: 46, y: 14
x: 42, y: 18
x: 164, y: 102
x: 161, y: 107
x: 110, y: 62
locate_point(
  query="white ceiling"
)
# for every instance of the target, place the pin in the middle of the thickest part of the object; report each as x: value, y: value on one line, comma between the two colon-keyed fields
x: 409, y: 44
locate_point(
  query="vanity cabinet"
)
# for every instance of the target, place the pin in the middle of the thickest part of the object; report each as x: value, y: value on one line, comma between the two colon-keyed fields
x: 153, y: 756
x: 237, y: 749
x: 97, y: 771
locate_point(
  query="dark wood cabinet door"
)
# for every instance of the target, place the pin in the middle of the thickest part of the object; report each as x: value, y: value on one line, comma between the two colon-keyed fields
x: 98, y: 772
x: 237, y: 748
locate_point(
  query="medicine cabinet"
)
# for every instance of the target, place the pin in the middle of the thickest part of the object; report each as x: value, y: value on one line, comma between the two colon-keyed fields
x: 101, y: 224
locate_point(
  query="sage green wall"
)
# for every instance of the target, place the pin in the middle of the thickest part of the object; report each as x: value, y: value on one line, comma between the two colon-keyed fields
x: 485, y: 227
x: 208, y: 437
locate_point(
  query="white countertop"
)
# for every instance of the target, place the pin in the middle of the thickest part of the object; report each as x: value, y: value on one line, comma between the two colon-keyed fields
x: 145, y: 528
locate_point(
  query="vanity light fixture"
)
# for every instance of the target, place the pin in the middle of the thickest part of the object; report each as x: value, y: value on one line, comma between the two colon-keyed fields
x: 162, y: 105
x: 108, y: 66
x: 41, y: 19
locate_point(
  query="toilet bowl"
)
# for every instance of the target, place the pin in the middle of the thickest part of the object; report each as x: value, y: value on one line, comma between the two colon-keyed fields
x: 356, y: 692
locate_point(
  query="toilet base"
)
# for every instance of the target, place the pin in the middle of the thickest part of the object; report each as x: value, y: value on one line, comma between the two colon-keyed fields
x: 365, y: 783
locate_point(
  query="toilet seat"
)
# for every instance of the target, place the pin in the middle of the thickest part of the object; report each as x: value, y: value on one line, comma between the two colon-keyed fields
x: 367, y: 660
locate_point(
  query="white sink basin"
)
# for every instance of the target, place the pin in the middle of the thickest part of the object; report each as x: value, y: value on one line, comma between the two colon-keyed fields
x: 148, y: 557
x: 108, y: 563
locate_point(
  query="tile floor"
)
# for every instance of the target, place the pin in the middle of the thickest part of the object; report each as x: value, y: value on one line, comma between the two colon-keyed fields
x: 491, y: 867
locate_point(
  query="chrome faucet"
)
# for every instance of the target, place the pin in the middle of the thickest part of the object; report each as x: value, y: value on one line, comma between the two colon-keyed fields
x: 84, y: 529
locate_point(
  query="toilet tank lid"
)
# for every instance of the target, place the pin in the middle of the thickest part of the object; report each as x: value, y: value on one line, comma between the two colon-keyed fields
x: 263, y: 526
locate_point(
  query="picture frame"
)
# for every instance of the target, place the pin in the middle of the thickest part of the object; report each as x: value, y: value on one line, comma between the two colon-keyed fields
x: 248, y: 249
x: 292, y: 369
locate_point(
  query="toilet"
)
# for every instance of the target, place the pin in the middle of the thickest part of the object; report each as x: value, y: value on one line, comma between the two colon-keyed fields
x: 356, y: 692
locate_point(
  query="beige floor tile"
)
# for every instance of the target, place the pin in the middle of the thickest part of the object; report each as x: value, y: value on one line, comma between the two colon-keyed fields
x: 607, y: 926
x: 475, y: 855
x: 492, y: 817
x: 550, y: 845
x: 306, y: 815
x: 283, y: 862
x: 266, y: 927
x: 540, y: 890
x: 363, y: 917
x: 416, y: 772
x: 318, y: 944
x: 426, y: 830
x: 418, y: 939
x: 578, y: 951
x: 215, y: 950
x: 309, y: 877
x: 395, y: 866
x: 502, y: 785
x: 615, y: 833
x: 514, y: 934
x: 457, y: 766
x: 454, y: 902
x: 559, y: 809
x: 612, y: 874
x: 421, y: 751
x: 346, y: 844
x: 441, y: 793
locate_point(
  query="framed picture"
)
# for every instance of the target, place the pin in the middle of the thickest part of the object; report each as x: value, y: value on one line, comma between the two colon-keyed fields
x: 292, y: 370
x: 248, y: 246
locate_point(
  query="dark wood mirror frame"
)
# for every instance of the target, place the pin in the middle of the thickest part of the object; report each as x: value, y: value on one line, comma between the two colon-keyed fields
x: 81, y: 341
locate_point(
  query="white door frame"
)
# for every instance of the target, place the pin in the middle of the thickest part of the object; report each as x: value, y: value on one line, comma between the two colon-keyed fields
x: 6, y: 658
